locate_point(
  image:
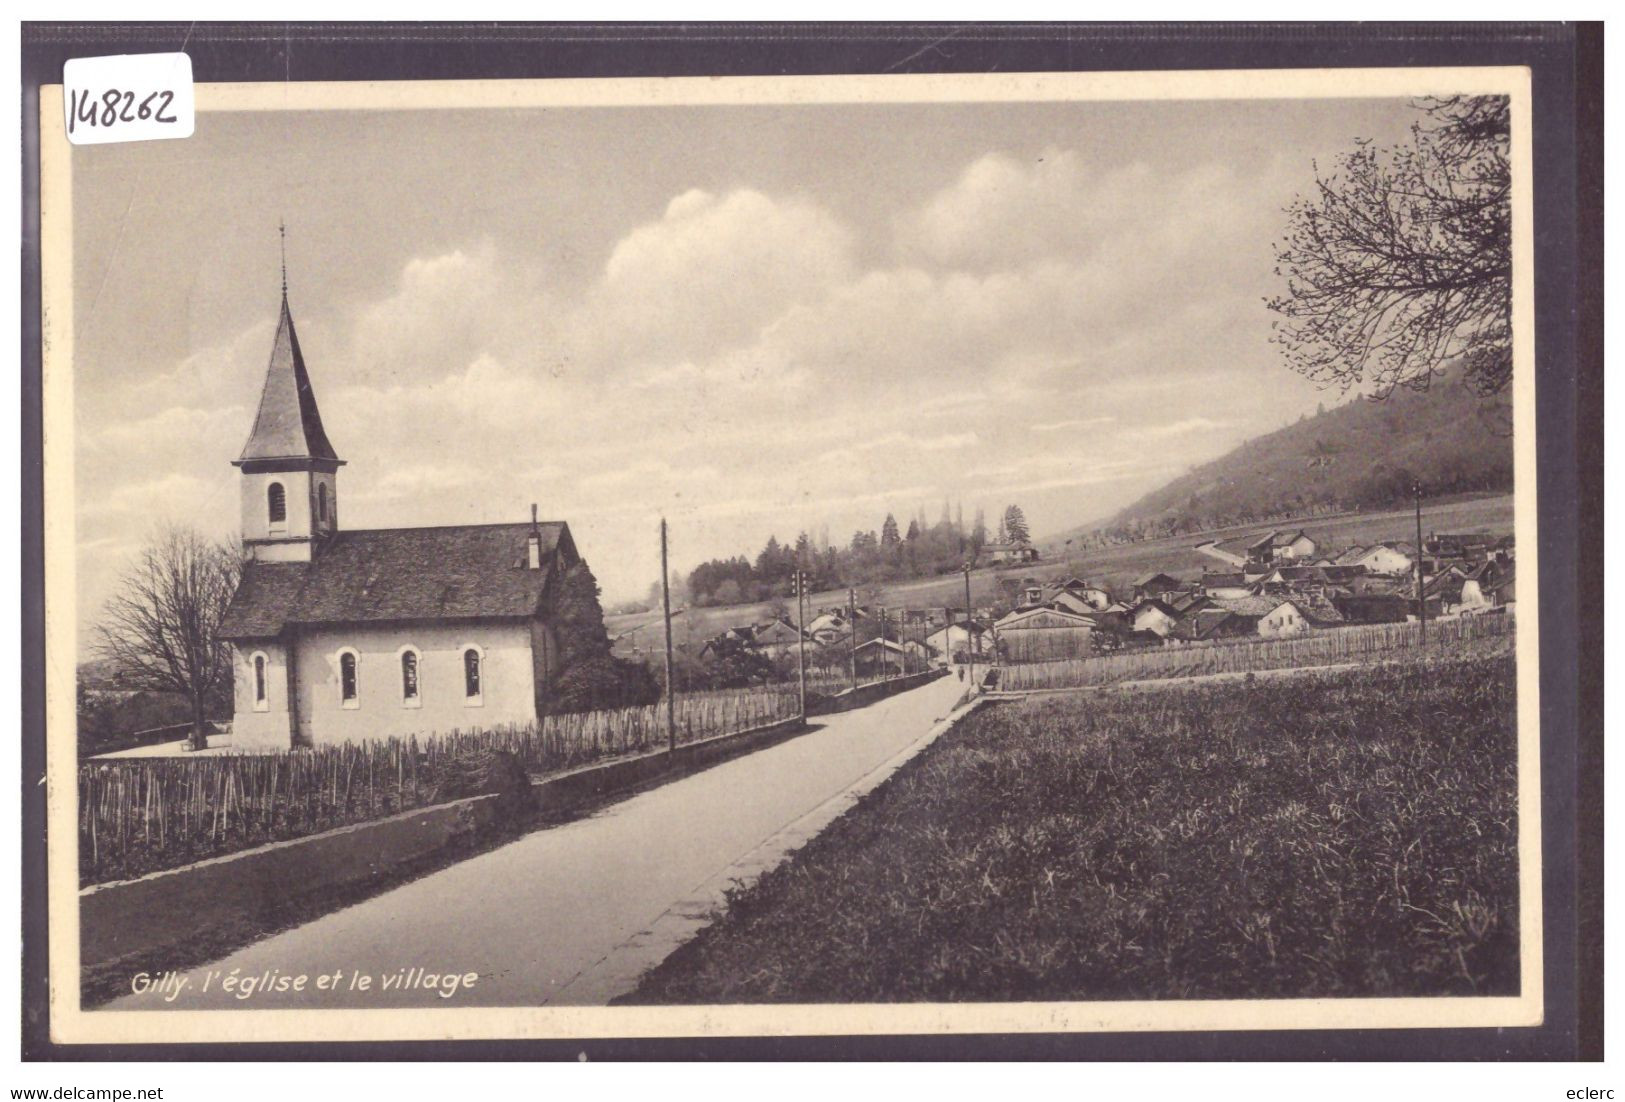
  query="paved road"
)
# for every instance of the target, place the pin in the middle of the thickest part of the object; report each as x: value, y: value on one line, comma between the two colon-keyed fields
x: 573, y: 914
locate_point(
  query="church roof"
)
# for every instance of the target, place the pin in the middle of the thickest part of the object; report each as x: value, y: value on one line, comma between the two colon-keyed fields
x: 288, y: 424
x: 383, y: 575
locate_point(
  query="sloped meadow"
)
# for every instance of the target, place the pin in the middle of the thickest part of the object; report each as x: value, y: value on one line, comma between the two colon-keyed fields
x: 1328, y: 835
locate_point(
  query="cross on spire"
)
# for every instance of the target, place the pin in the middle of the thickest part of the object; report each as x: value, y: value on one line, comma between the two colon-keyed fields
x: 282, y: 234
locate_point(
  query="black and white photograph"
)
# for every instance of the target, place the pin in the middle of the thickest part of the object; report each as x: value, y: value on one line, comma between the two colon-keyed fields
x: 794, y: 556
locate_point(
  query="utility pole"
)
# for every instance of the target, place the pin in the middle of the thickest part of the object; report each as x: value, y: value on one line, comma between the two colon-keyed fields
x: 852, y: 631
x: 885, y: 668
x: 970, y: 624
x: 798, y: 582
x: 665, y: 602
x: 1421, y: 600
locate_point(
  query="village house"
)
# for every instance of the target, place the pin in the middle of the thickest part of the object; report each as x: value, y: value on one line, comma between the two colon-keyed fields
x: 1251, y: 609
x: 1154, y: 615
x: 775, y: 638
x: 340, y: 635
x: 1373, y: 608
x: 828, y: 628
x: 1072, y: 602
x: 1087, y: 597
x: 1035, y: 634
x: 1226, y: 585
x: 1284, y: 620
x: 1016, y: 552
x: 1382, y: 558
x: 729, y: 641
x: 881, y: 656
x: 957, y: 638
x: 1207, y: 624
x: 1475, y: 546
x: 1277, y: 546
x: 1155, y: 584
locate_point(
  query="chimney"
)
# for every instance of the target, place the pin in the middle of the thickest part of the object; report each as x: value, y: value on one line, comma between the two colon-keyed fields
x: 533, y: 545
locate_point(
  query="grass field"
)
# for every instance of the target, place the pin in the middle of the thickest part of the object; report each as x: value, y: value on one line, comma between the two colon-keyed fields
x: 642, y: 632
x: 1340, y: 834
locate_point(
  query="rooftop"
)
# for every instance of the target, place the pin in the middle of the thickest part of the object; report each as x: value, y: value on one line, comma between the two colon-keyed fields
x: 381, y: 575
x: 288, y: 425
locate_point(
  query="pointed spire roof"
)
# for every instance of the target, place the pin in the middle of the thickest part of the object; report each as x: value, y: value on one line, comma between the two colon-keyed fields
x: 288, y: 425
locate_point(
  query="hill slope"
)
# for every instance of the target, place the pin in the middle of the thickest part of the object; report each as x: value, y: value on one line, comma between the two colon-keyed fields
x: 1358, y: 455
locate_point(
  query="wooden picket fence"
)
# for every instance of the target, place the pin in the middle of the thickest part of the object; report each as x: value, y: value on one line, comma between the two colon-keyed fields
x: 1325, y: 647
x: 142, y: 814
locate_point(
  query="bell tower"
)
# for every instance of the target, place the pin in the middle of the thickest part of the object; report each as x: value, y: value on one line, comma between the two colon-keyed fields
x: 289, y: 469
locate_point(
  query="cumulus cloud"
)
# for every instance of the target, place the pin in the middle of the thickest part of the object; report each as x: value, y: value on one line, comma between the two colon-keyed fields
x: 710, y: 273
x: 733, y: 362
x: 445, y: 310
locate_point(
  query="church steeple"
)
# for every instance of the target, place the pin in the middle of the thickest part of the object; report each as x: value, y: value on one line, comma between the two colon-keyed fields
x: 289, y: 468
x: 288, y: 424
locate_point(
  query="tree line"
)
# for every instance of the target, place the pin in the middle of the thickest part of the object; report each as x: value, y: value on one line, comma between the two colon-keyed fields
x: 894, y: 552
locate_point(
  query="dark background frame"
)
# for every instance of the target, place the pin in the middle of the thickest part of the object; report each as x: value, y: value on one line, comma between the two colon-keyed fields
x: 1566, y: 66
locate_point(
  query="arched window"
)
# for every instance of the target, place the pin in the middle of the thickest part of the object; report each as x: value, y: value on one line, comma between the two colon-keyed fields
x: 472, y: 675
x: 276, y: 503
x: 261, y: 693
x: 321, y: 502
x: 347, y: 679
x: 409, y: 677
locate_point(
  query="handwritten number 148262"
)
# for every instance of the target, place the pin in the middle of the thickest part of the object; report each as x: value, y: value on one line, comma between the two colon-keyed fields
x: 115, y: 106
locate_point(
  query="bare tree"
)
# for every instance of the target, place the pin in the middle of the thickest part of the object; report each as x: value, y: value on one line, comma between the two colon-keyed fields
x: 1401, y: 262
x: 162, y: 629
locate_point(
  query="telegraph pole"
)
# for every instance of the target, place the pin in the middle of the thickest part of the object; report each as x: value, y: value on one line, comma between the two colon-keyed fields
x: 885, y: 669
x: 798, y: 582
x: 970, y: 624
x: 852, y: 631
x: 1421, y: 600
x: 665, y: 601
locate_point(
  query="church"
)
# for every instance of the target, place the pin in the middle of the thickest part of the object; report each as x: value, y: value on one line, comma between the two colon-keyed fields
x: 340, y: 635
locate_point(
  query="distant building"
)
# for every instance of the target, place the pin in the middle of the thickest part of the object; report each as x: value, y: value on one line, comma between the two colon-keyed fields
x: 1226, y: 585
x: 1004, y: 554
x: 775, y: 638
x: 1471, y: 546
x: 879, y: 656
x: 959, y: 637
x: 1092, y: 597
x: 1276, y: 546
x: 1298, y: 615
x: 1283, y: 621
x: 1382, y: 558
x: 1155, y: 584
x: 1373, y: 608
x: 1154, y: 615
x: 1212, y: 623
x: 1036, y: 634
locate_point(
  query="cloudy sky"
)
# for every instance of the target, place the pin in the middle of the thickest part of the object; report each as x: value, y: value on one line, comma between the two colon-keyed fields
x: 750, y: 319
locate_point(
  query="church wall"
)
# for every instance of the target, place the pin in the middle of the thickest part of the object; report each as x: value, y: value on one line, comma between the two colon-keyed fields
x: 250, y: 728
x: 507, y: 681
x: 544, y: 659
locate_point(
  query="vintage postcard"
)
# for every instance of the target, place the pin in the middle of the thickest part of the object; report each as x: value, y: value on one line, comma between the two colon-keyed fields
x: 773, y: 556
